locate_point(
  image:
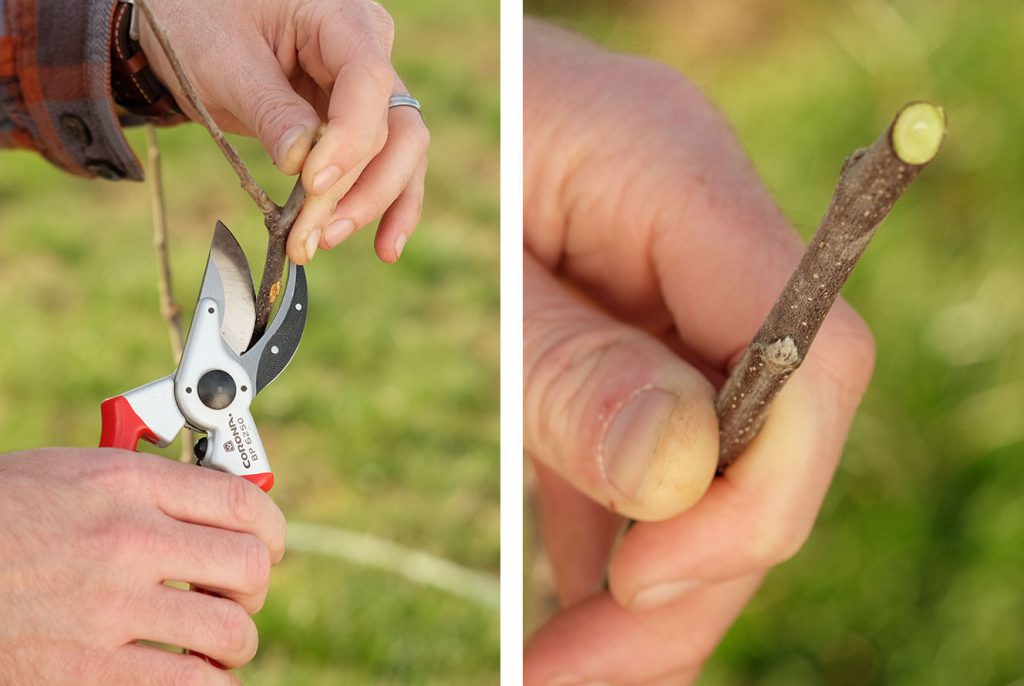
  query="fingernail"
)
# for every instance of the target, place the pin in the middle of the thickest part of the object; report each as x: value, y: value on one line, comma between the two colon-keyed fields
x: 339, y: 230
x: 657, y: 595
x: 325, y: 178
x: 287, y: 146
x: 312, y: 240
x: 399, y: 245
x: 632, y: 438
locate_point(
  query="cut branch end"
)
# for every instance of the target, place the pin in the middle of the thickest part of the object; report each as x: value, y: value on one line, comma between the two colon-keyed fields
x: 918, y: 131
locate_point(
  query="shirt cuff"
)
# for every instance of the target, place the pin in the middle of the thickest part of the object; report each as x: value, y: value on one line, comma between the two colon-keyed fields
x: 65, y: 83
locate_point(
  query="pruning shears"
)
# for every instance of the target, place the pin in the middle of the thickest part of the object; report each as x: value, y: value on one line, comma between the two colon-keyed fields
x: 220, y: 371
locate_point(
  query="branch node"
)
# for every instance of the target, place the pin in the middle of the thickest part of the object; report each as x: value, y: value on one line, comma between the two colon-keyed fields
x: 782, y: 355
x: 278, y: 220
x: 871, y: 181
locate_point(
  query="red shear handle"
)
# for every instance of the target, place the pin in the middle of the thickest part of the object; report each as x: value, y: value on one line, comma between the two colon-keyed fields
x: 122, y: 428
x: 265, y: 480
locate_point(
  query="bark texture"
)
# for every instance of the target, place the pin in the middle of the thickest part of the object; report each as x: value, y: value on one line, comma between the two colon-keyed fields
x: 870, y: 183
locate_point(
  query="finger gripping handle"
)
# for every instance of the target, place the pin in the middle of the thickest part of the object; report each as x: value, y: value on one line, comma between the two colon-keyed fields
x: 122, y: 427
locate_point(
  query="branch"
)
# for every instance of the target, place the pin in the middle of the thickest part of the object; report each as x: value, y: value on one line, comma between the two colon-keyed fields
x: 870, y: 183
x: 278, y: 220
x: 279, y: 225
x: 415, y: 565
x: 169, y: 308
x: 249, y: 183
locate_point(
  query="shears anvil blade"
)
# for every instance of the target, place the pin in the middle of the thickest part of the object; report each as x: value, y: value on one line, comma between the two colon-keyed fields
x: 228, y: 281
x: 274, y: 350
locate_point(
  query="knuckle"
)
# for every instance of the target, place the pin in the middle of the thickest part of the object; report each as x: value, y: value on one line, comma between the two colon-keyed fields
x: 380, y: 141
x: 375, y: 144
x: 638, y: 72
x: 560, y: 373
x: 278, y: 536
x: 237, y: 634
x: 380, y: 73
x: 267, y: 112
x: 242, y: 501
x: 359, y: 152
x: 372, y: 201
x: 415, y: 209
x: 111, y: 610
x: 256, y: 574
x: 190, y: 673
x: 774, y: 541
x: 117, y: 469
x: 98, y: 665
x: 117, y: 538
x: 384, y: 23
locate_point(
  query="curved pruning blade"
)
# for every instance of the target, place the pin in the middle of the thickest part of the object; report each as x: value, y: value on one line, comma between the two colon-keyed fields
x: 232, y: 287
x: 268, y: 357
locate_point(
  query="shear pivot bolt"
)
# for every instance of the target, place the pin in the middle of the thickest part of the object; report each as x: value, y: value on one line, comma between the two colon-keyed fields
x: 216, y: 389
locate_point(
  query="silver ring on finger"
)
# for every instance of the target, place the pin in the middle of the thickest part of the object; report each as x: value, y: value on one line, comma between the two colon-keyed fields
x: 405, y: 101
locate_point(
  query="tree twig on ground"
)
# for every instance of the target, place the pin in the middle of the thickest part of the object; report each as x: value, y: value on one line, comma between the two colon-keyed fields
x: 870, y: 183
x: 278, y: 219
x: 168, y: 307
x: 416, y: 565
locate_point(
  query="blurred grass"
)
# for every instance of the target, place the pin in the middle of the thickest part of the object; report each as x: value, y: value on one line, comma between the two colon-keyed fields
x: 913, y: 574
x: 386, y: 421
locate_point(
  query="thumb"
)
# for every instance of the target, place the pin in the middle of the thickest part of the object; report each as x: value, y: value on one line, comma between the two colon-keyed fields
x: 266, y: 104
x: 610, y: 408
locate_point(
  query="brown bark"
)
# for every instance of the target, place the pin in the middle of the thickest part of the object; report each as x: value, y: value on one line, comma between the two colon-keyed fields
x: 870, y: 183
x: 279, y: 225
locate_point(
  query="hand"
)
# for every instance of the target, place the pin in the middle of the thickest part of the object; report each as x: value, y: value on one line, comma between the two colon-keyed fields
x: 87, y: 539
x: 275, y: 69
x: 653, y: 253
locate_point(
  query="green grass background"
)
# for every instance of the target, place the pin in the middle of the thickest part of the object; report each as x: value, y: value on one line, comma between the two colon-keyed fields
x: 386, y: 421
x: 915, y: 572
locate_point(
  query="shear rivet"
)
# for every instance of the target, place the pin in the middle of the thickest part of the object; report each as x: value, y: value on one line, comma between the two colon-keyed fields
x: 244, y: 389
x: 298, y: 306
x: 210, y: 310
x: 188, y: 389
x: 216, y: 389
x: 274, y: 349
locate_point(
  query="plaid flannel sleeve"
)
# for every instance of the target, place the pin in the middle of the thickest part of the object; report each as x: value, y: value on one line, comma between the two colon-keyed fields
x: 55, y: 86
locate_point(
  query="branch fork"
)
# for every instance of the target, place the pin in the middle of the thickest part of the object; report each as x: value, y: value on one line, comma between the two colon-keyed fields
x: 278, y: 219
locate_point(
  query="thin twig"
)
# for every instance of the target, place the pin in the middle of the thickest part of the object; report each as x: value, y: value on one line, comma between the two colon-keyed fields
x: 416, y: 565
x: 870, y: 183
x: 278, y: 220
x: 266, y: 205
x: 168, y: 307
